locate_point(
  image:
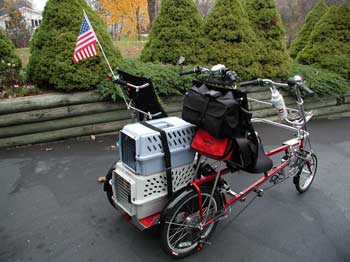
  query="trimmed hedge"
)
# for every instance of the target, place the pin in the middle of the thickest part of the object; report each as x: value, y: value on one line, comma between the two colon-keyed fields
x: 177, y: 31
x: 303, y: 36
x: 329, y: 43
x: 53, y: 45
x: 231, y: 40
x: 321, y: 81
x: 167, y: 81
x: 268, y: 27
x: 165, y: 78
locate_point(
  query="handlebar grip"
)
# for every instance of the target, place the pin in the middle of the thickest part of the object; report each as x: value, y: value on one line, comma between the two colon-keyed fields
x: 250, y: 83
x: 120, y: 82
x: 291, y: 82
x: 188, y: 72
x: 307, y: 90
x: 231, y: 75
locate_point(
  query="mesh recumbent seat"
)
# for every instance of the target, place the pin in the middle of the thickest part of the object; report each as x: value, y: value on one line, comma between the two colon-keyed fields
x: 144, y: 99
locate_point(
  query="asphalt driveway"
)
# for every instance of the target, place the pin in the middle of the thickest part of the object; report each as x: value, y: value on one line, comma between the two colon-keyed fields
x: 53, y: 209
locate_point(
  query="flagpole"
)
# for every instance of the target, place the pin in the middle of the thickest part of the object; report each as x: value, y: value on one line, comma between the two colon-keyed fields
x: 104, y: 55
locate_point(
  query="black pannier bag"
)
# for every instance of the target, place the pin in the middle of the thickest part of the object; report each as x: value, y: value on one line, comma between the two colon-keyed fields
x: 219, y: 112
x: 223, y: 113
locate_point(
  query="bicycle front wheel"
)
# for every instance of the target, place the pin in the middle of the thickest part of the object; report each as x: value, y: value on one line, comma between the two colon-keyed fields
x: 180, y: 229
x: 306, y: 175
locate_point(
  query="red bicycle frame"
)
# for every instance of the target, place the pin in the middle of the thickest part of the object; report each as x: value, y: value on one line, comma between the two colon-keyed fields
x: 227, y: 202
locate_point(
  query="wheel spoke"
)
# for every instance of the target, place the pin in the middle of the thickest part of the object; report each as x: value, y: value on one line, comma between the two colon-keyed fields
x: 176, y: 233
x: 180, y: 238
x: 182, y: 226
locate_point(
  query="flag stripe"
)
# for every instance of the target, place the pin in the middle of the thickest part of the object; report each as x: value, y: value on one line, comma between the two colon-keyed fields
x: 90, y: 51
x: 94, y: 50
x: 88, y: 41
x: 83, y: 40
x: 85, y: 34
x: 83, y: 47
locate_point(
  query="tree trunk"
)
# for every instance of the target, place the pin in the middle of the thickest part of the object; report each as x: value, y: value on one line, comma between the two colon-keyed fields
x: 138, y: 23
x: 152, y: 10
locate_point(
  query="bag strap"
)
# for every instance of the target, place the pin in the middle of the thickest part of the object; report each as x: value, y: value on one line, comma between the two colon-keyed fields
x: 167, y: 157
x: 245, y: 147
x: 244, y: 150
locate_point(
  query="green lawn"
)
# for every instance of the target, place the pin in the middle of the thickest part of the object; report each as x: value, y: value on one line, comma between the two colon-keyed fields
x: 24, y: 54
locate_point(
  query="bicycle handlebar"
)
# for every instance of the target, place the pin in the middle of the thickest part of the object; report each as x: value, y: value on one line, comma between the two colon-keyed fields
x: 231, y: 75
x: 306, y: 89
x: 262, y: 82
x: 291, y: 82
x: 190, y: 72
x: 120, y: 82
x: 250, y: 83
x: 298, y: 82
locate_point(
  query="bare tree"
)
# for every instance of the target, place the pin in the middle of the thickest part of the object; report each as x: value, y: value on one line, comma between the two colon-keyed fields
x: 17, y: 29
x: 2, y: 4
x: 94, y: 4
x: 153, y: 8
x: 204, y: 6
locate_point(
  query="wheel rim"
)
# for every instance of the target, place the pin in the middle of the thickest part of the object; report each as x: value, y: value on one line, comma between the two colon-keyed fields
x: 183, y: 233
x: 308, y: 173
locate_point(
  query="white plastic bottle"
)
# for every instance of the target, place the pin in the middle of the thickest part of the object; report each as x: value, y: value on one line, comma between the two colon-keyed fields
x: 278, y: 103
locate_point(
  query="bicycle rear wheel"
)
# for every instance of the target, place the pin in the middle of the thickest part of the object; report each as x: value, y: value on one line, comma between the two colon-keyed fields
x: 306, y: 175
x: 180, y: 229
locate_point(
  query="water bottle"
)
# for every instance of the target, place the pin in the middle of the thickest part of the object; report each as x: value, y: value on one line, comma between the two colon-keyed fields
x: 278, y: 103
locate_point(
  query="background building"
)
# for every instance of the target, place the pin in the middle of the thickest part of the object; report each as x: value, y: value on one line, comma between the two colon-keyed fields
x: 32, y: 17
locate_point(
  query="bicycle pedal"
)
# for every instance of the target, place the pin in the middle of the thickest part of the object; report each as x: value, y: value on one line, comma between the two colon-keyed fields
x: 259, y: 192
x: 205, y: 242
x: 231, y: 192
x: 243, y: 199
x: 221, y: 215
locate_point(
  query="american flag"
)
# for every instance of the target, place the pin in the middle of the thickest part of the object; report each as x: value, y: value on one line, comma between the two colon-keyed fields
x: 86, y: 43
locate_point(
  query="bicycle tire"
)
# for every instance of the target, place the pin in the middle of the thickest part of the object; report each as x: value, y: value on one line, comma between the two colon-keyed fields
x: 187, y: 211
x: 107, y: 187
x: 304, y: 178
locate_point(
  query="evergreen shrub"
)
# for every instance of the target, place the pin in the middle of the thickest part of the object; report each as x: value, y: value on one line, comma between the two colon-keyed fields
x: 10, y: 64
x: 321, y: 81
x: 53, y: 45
x: 329, y: 43
x: 268, y: 27
x: 231, y: 40
x: 176, y: 31
x: 302, y: 37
